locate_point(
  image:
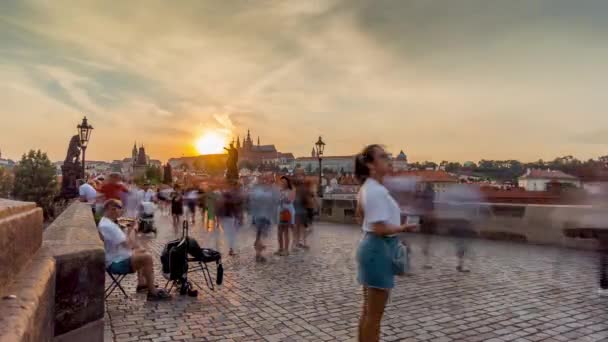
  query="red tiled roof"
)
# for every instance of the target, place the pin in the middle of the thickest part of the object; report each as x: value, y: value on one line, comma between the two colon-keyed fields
x: 286, y: 155
x: 547, y: 174
x: 593, y: 175
x: 430, y: 176
x: 325, y: 158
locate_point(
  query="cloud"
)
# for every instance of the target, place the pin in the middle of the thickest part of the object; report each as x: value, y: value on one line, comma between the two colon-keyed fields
x: 418, y: 75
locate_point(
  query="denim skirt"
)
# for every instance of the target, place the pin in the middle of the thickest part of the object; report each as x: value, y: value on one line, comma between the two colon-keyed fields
x: 375, y: 261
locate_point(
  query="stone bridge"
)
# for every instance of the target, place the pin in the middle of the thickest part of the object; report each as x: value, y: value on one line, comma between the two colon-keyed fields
x: 54, y: 284
x: 515, y: 292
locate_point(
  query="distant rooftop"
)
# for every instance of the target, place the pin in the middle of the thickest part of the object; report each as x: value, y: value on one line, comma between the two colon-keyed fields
x: 547, y: 174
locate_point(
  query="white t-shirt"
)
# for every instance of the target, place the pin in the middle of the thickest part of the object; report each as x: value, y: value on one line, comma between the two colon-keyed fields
x: 114, y: 241
x: 87, y: 192
x: 149, y: 196
x: 378, y: 205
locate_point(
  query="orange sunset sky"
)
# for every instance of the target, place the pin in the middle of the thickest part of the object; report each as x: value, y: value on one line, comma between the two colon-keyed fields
x: 456, y: 80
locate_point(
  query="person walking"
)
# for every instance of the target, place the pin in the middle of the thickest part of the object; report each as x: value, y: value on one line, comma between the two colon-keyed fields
x: 177, y: 207
x: 263, y: 204
x: 229, y: 214
x: 427, y: 222
x: 302, y: 198
x: 191, y: 202
x: 286, y: 215
x: 378, y: 251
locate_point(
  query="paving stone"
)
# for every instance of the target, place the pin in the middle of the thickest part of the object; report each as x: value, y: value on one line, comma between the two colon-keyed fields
x: 515, y: 292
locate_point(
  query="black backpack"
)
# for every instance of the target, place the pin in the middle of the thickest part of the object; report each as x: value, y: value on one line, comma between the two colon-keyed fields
x: 173, y: 259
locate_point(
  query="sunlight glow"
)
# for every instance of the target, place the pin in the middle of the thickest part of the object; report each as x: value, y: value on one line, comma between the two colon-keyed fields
x: 211, y: 142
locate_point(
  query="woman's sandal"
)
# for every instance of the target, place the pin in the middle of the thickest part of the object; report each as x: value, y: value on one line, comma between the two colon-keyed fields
x: 143, y: 288
x: 160, y: 295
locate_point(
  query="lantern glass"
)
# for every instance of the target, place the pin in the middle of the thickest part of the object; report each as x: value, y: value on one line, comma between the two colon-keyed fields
x: 320, y: 147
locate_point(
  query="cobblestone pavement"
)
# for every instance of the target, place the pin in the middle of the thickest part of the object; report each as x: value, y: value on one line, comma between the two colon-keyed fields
x: 515, y: 292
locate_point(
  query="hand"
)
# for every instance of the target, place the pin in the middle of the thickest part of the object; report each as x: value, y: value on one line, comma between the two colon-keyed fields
x: 409, y: 228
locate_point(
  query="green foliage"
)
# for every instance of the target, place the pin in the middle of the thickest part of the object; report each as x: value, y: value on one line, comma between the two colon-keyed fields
x: 153, y: 174
x: 35, y: 180
x: 6, y: 183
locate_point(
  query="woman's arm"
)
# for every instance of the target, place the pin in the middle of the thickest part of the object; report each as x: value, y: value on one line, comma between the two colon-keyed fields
x: 381, y: 228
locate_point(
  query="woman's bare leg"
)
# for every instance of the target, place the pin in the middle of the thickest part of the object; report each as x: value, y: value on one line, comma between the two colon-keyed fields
x: 363, y: 318
x: 376, y: 302
x: 286, y: 239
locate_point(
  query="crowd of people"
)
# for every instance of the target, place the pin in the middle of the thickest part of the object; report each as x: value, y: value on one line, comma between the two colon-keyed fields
x: 289, y: 203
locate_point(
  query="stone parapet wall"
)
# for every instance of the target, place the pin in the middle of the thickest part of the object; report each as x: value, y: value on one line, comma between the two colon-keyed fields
x: 80, y: 267
x: 53, y: 282
x: 20, y: 237
x: 531, y: 223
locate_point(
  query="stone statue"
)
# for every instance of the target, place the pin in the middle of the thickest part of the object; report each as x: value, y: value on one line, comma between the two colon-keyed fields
x: 73, y: 155
x: 232, y: 170
x: 71, y: 170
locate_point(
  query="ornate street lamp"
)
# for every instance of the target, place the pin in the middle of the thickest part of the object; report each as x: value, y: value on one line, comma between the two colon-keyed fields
x: 320, y: 146
x: 84, y: 132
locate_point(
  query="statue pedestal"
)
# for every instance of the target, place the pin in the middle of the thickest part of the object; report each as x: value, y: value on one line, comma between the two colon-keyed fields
x: 70, y: 173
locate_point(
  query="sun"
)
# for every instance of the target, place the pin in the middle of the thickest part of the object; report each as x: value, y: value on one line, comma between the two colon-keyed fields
x: 211, y: 142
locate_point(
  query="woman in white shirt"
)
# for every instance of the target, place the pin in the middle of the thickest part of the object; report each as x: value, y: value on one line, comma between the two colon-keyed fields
x: 381, y: 223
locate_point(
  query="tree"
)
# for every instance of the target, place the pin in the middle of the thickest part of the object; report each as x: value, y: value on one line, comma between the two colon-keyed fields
x: 185, y: 167
x: 6, y: 183
x: 153, y: 174
x: 168, y: 175
x: 35, y: 180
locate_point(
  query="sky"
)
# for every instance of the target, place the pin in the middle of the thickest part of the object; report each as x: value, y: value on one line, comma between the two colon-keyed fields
x: 443, y: 80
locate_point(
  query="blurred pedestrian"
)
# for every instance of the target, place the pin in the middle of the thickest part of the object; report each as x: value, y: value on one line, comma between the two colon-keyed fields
x: 379, y: 256
x: 427, y: 222
x: 113, y: 188
x: 191, y: 199
x: 229, y: 214
x: 177, y: 207
x: 263, y: 204
x: 286, y: 215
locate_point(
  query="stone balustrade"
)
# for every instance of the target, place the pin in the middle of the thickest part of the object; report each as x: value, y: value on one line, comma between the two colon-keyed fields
x: 51, y: 281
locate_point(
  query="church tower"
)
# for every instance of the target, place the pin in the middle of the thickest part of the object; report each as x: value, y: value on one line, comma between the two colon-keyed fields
x: 134, y: 152
x: 238, y: 143
x: 248, y: 144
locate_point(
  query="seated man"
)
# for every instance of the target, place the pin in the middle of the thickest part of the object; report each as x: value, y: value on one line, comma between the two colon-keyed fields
x: 123, y: 254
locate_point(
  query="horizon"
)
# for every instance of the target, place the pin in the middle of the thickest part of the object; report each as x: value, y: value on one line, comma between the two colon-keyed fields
x: 458, y: 81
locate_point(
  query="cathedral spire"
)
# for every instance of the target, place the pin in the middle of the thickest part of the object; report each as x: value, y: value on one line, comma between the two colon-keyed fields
x: 134, y: 151
x: 258, y: 140
x: 238, y: 142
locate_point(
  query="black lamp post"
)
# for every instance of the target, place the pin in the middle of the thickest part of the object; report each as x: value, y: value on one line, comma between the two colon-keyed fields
x: 320, y: 146
x: 84, y: 132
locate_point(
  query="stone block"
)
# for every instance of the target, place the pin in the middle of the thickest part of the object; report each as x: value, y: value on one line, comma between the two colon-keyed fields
x: 20, y: 237
x: 30, y: 316
x: 91, y: 332
x: 80, y: 258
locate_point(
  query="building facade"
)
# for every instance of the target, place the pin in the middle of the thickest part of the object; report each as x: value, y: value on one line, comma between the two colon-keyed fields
x: 538, y: 180
x: 337, y: 164
x: 400, y: 163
